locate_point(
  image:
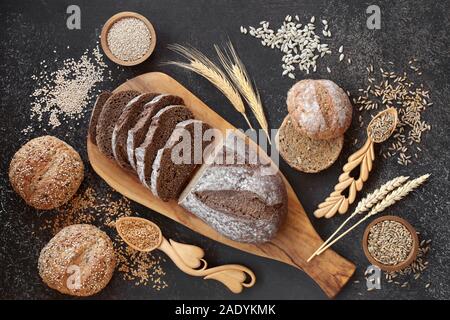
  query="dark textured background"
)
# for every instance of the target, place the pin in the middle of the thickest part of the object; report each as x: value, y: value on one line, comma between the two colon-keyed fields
x: 31, y: 30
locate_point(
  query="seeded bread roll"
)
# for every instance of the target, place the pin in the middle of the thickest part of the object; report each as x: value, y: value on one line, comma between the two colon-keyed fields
x: 126, y: 121
x: 109, y: 115
x: 244, y: 200
x: 170, y: 176
x: 136, y: 135
x: 79, y: 260
x: 98, y: 107
x: 319, y: 108
x: 161, y: 128
x: 303, y: 153
x: 46, y: 172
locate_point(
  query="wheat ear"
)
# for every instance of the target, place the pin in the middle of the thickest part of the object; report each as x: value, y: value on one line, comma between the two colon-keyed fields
x: 203, y: 66
x: 365, y: 204
x: 238, y: 74
x: 389, y: 200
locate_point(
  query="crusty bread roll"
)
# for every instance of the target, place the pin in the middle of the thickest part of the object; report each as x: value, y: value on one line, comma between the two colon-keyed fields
x: 46, y: 172
x: 320, y: 108
x: 79, y: 260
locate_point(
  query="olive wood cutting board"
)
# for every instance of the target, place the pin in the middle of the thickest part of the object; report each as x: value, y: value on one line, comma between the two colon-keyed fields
x: 296, y: 239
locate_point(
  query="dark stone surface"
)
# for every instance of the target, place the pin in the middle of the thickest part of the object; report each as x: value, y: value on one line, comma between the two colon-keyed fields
x: 32, y: 30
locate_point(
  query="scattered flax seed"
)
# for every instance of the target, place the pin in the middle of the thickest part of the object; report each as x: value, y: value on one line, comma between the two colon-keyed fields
x: 391, y: 89
x: 129, y: 39
x: 141, y: 268
x: 64, y: 94
x: 89, y: 207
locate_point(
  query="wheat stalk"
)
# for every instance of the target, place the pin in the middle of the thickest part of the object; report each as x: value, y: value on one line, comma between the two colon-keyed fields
x: 365, y: 204
x: 391, y: 198
x: 238, y: 74
x: 203, y: 66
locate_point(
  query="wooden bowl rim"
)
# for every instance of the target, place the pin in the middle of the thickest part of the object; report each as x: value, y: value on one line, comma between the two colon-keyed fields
x: 114, y: 19
x: 412, y: 255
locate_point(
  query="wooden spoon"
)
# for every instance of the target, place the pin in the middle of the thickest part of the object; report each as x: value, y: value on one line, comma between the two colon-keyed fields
x: 189, y: 258
x: 364, y: 157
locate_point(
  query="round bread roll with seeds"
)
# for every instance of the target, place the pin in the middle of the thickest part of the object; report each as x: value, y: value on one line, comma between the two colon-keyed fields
x: 46, y: 172
x: 303, y: 153
x: 79, y: 260
x: 319, y: 108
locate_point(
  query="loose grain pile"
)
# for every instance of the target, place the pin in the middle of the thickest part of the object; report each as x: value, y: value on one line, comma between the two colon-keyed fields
x: 129, y: 39
x: 64, y: 94
x: 299, y: 43
x: 389, y: 89
x: 415, y: 270
x: 140, y: 267
x: 389, y: 242
x: 92, y: 208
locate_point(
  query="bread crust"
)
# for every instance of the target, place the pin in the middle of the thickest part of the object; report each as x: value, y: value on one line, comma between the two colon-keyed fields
x: 79, y: 260
x: 319, y: 108
x: 46, y: 172
x: 136, y: 135
x: 95, y: 114
x: 110, y: 113
x: 126, y: 121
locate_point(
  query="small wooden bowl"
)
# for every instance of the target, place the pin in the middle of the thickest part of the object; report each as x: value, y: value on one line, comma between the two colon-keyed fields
x: 114, y: 19
x: 412, y: 255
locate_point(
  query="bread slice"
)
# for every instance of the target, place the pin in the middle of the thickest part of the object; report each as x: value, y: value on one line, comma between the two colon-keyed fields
x: 303, y: 153
x: 245, y: 202
x: 98, y: 106
x: 136, y: 135
x: 175, y: 164
x: 126, y: 121
x: 161, y: 128
x: 108, y: 117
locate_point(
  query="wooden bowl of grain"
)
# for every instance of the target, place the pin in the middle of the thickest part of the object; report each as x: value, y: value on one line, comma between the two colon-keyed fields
x: 386, y: 239
x: 128, y: 38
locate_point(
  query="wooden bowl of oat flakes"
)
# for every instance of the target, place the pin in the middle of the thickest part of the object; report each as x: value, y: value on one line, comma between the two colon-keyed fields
x: 128, y: 38
x: 391, y: 243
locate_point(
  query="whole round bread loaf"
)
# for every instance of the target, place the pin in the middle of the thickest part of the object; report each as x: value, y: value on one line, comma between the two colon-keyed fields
x: 320, y: 108
x: 46, y: 172
x: 79, y: 260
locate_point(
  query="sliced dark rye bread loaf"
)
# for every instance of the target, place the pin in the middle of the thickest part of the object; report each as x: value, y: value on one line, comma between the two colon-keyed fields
x: 136, y: 135
x: 126, y: 121
x: 98, y: 106
x: 108, y: 117
x: 161, y: 128
x: 244, y: 202
x: 175, y: 164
